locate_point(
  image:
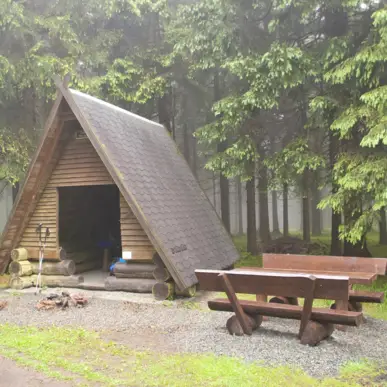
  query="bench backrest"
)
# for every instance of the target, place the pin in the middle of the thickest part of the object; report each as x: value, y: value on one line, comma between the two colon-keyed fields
x: 276, y: 284
x: 325, y: 263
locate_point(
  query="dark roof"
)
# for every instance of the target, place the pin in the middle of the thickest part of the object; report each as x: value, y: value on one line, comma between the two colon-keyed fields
x: 158, y: 185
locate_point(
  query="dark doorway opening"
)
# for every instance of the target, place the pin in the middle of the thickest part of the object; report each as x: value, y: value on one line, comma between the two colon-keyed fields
x: 89, y: 223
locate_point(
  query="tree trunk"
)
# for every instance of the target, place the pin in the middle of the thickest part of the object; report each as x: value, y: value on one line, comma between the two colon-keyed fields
x: 15, y: 190
x: 163, y: 112
x: 335, y: 240
x: 223, y: 182
x: 274, y: 205
x: 239, y: 207
x: 186, y: 144
x: 316, y: 213
x: 358, y: 249
x: 194, y: 156
x: 305, y: 208
x: 214, y: 190
x: 285, y: 205
x: 336, y: 217
x: 252, y: 247
x: 382, y: 227
x: 264, y: 224
x: 225, y: 201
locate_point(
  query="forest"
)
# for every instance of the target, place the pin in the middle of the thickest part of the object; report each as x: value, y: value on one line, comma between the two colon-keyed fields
x: 279, y: 96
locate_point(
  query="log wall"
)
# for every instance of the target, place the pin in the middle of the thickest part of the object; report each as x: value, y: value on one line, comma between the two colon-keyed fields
x: 78, y: 165
x: 133, y: 237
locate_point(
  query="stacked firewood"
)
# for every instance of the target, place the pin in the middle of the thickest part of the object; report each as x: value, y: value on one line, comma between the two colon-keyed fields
x: 165, y: 288
x: 62, y: 301
x: 60, y: 271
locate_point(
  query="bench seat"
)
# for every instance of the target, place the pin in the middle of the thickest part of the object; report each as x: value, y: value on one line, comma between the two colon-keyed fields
x: 321, y: 315
x: 366, y: 296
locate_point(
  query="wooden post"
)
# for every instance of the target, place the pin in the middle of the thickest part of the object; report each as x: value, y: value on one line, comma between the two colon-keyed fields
x: 105, y: 264
x: 308, y: 305
x: 240, y: 314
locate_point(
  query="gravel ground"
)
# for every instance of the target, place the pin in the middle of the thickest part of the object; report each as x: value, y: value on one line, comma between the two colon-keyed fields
x: 175, y: 327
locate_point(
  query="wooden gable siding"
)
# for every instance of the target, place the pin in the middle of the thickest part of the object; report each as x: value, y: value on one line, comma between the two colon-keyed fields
x: 133, y: 237
x: 77, y: 164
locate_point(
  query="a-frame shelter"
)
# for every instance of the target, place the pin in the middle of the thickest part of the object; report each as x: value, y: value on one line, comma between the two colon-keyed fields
x: 89, y: 145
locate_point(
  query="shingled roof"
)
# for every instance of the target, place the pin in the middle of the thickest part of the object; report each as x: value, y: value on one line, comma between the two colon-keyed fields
x: 157, y: 183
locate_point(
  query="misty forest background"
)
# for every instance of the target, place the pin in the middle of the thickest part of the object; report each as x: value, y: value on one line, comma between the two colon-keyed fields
x: 279, y: 106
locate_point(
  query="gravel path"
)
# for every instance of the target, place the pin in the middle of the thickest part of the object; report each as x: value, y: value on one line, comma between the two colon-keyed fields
x: 174, y: 327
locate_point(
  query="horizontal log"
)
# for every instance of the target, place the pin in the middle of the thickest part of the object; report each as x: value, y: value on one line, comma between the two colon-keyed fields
x: 157, y: 260
x: 188, y: 292
x: 87, y: 266
x: 20, y: 254
x: 134, y: 285
x: 72, y: 281
x: 294, y: 312
x: 161, y: 274
x: 20, y: 268
x: 163, y: 291
x: 65, y: 268
x: 133, y: 270
x: 366, y: 296
x: 20, y: 283
x: 49, y: 254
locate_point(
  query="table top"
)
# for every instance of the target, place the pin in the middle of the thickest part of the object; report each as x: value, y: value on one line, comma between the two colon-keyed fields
x: 354, y: 277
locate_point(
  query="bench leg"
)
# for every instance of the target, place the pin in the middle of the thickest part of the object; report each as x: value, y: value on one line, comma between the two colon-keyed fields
x: 236, y: 306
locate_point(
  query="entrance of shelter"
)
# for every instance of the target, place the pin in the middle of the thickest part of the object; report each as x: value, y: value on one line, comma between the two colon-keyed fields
x: 89, y: 226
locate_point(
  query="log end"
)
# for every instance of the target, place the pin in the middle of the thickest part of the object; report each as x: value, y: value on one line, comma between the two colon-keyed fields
x: 316, y: 332
x: 163, y: 291
x: 234, y: 328
x: 161, y: 274
x: 20, y: 254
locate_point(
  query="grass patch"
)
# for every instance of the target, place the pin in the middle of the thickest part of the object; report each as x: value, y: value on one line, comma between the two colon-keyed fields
x: 83, y: 357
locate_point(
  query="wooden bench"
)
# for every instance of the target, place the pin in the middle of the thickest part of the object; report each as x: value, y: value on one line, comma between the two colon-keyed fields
x: 316, y: 323
x: 331, y: 265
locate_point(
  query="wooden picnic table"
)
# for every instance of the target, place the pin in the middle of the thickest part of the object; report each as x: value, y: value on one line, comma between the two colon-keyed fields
x: 355, y: 278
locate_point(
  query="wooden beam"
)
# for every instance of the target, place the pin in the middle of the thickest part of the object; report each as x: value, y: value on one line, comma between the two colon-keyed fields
x: 308, y: 305
x: 240, y: 314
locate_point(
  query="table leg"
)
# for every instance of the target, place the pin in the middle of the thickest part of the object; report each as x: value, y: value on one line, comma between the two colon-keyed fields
x: 262, y: 298
x: 341, y: 305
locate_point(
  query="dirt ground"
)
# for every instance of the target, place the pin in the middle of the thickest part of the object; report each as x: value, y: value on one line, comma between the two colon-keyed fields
x: 13, y: 375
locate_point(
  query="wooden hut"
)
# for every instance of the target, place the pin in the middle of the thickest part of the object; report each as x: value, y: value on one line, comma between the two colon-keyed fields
x: 110, y: 184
